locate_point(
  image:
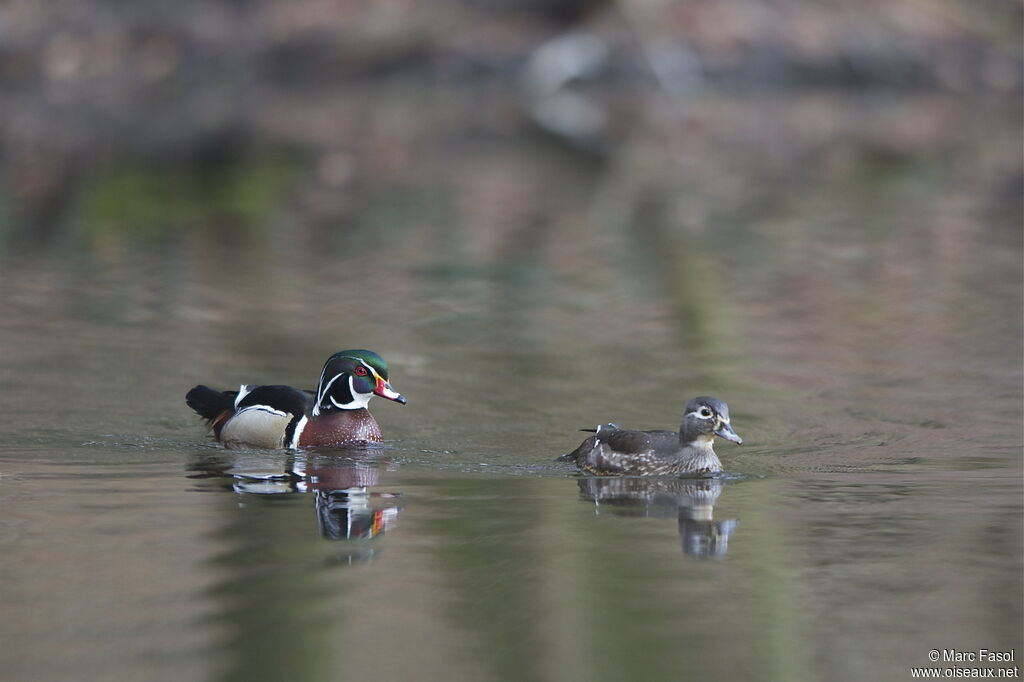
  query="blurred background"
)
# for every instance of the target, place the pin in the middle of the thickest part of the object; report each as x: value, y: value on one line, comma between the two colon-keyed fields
x: 544, y: 214
x: 258, y: 181
x: 248, y: 123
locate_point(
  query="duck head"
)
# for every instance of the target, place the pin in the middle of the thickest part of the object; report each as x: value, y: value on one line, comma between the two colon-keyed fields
x: 703, y: 419
x: 350, y: 378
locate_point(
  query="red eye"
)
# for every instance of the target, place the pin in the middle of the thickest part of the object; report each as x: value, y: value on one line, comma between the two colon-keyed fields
x: 361, y: 371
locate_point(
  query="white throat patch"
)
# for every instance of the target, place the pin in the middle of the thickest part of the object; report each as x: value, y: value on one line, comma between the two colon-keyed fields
x: 359, y: 400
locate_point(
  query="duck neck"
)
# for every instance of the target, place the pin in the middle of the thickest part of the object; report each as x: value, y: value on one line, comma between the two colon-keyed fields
x: 699, y: 453
x: 699, y: 443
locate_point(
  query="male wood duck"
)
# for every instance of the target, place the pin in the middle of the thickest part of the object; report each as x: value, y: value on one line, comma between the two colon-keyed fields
x: 333, y: 415
x: 614, y: 451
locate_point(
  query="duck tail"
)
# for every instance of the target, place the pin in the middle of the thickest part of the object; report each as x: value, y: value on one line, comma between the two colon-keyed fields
x: 603, y: 427
x: 210, y: 404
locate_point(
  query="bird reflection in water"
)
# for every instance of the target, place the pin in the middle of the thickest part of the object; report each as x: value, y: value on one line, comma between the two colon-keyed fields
x: 345, y: 508
x: 691, y: 500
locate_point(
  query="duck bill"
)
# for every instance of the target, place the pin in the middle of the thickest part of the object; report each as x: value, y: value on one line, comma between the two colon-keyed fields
x: 725, y: 431
x: 384, y: 390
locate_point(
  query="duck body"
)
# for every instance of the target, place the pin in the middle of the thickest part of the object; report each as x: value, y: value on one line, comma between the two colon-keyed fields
x: 614, y: 451
x: 274, y: 416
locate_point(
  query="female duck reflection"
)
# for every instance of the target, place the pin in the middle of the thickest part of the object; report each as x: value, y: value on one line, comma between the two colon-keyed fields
x: 345, y: 509
x: 693, y: 500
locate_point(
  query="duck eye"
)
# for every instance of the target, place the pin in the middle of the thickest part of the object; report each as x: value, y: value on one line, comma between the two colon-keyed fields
x: 705, y: 412
x: 361, y: 371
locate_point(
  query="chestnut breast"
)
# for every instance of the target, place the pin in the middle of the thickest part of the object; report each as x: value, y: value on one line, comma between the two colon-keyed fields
x: 341, y: 427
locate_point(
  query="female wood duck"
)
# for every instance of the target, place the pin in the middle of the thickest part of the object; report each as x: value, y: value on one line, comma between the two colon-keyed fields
x: 284, y: 417
x: 615, y: 451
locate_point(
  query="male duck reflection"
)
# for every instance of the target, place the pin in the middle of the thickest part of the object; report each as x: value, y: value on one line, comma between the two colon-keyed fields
x: 615, y: 451
x: 333, y: 415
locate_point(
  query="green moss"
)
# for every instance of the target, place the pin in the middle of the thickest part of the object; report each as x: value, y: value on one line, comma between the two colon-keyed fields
x: 146, y: 206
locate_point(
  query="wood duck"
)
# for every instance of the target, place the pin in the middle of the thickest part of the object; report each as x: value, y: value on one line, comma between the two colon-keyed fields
x: 614, y: 451
x: 333, y: 415
x: 690, y: 500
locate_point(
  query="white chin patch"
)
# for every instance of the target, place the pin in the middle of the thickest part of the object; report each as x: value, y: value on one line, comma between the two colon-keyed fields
x: 359, y: 401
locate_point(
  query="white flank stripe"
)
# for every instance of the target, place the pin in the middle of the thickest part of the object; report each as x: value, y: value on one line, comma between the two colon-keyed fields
x: 262, y: 408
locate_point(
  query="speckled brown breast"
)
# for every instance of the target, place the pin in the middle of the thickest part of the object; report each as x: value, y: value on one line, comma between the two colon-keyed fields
x: 344, y: 427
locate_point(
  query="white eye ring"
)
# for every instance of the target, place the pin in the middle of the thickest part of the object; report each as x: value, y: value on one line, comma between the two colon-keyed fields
x: 705, y: 412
